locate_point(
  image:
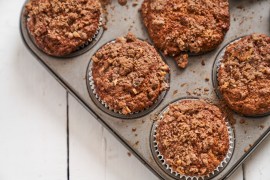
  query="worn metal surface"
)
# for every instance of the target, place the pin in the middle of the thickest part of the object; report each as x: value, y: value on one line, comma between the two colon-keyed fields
x: 246, y: 17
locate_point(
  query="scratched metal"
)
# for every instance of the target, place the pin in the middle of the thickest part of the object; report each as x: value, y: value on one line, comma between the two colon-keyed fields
x: 246, y: 17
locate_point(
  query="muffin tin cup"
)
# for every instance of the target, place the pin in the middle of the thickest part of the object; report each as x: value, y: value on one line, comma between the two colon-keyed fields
x: 68, y: 73
x: 81, y: 49
x: 162, y: 162
x: 215, y: 69
x: 107, y: 109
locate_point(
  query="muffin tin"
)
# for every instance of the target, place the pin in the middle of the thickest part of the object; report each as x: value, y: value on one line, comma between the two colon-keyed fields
x: 135, y: 133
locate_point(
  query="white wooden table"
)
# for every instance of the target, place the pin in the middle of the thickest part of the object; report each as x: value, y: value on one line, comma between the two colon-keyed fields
x: 45, y: 134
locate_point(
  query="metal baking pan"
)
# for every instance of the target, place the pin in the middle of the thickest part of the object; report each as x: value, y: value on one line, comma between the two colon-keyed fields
x: 246, y: 17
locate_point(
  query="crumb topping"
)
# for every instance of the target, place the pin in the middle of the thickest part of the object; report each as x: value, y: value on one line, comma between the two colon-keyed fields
x: 178, y: 26
x: 129, y: 74
x: 192, y: 137
x: 60, y: 27
x: 244, y: 75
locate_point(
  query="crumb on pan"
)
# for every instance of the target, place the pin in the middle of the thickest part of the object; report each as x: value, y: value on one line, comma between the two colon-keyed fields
x: 122, y: 2
x: 181, y: 60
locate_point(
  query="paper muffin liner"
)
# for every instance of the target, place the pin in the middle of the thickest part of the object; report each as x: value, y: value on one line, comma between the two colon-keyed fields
x: 105, y: 107
x: 166, y: 167
x: 216, y: 66
x: 82, y: 48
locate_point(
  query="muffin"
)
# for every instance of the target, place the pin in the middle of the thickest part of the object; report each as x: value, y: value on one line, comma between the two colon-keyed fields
x: 128, y: 74
x: 178, y: 27
x: 192, y: 136
x: 59, y: 28
x: 244, y: 75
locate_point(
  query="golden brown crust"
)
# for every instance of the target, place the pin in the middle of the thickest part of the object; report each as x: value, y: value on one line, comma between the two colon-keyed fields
x: 244, y: 75
x: 192, y: 137
x: 177, y: 26
x: 61, y: 27
x: 128, y: 74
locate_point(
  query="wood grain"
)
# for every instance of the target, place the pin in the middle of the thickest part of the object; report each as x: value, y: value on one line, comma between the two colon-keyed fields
x: 257, y: 165
x: 32, y: 118
x: 95, y: 153
x: 33, y: 124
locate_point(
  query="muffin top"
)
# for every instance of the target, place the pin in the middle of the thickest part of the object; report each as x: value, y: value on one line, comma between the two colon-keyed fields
x: 178, y: 26
x: 61, y: 27
x: 192, y: 137
x: 244, y: 75
x: 128, y: 74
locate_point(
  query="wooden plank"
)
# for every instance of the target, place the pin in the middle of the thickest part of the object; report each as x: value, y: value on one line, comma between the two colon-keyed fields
x: 95, y: 153
x: 86, y: 145
x: 33, y: 114
x: 120, y: 164
x: 32, y: 109
x: 257, y: 165
x: 237, y: 175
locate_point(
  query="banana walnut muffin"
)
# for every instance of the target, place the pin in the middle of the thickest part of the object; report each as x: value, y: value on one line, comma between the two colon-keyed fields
x: 60, y: 27
x: 128, y: 74
x: 244, y: 75
x: 192, y: 137
x: 178, y: 27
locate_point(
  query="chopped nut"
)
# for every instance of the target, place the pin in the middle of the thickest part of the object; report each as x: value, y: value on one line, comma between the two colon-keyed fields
x: 165, y: 68
x: 115, y: 82
x: 134, y: 91
x: 83, y: 35
x: 76, y: 34
x: 162, y: 73
x: 70, y: 35
x: 126, y: 110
